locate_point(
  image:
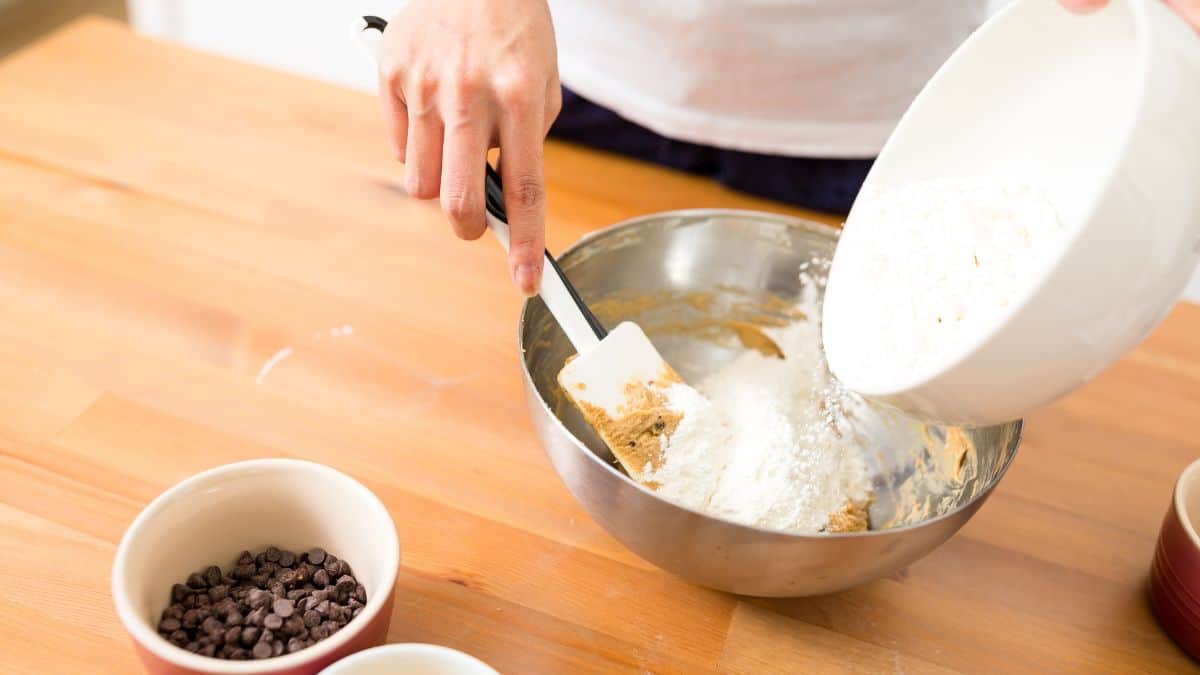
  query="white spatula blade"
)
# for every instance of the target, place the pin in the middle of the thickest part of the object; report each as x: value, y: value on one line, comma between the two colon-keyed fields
x: 600, y: 375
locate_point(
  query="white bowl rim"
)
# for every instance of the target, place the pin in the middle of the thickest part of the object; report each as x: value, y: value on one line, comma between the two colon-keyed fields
x: 783, y: 219
x: 149, y: 639
x: 440, y: 651
x: 1188, y: 480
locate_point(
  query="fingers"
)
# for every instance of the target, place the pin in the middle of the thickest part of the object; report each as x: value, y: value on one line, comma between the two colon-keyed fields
x: 1082, y: 6
x: 395, y: 113
x: 1189, y: 10
x: 423, y: 168
x: 463, y: 159
x: 521, y: 169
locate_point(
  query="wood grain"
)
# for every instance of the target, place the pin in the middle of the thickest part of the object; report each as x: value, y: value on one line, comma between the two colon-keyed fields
x: 170, y: 221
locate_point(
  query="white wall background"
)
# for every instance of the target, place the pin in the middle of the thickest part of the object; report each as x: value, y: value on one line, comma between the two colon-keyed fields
x: 309, y: 37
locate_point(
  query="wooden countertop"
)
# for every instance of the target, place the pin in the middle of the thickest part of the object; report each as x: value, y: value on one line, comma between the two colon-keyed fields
x: 169, y: 221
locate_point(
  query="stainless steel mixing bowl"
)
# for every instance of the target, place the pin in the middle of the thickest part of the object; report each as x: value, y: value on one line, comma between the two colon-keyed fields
x: 681, y: 275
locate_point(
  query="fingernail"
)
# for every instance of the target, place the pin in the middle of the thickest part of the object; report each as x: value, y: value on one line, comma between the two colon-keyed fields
x: 523, y: 275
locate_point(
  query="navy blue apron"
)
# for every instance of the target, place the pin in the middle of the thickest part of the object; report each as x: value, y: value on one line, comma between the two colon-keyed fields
x: 821, y: 184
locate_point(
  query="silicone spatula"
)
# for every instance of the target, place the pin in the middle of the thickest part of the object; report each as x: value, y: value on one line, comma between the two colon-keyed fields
x: 607, y: 365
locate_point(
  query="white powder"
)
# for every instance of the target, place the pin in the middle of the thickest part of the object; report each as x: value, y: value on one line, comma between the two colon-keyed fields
x: 925, y: 270
x: 761, y: 441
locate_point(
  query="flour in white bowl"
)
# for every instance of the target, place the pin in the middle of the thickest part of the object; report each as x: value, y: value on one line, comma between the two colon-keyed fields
x: 929, y: 269
x: 763, y: 441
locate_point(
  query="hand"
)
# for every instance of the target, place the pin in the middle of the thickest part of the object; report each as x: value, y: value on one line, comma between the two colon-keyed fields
x: 1188, y: 9
x: 457, y: 78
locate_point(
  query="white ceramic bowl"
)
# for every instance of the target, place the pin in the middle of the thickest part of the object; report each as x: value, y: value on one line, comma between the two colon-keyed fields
x: 212, y: 516
x: 1101, y: 111
x: 410, y: 659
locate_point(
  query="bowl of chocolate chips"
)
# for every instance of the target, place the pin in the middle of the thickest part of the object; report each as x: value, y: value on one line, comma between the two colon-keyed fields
x: 264, y: 566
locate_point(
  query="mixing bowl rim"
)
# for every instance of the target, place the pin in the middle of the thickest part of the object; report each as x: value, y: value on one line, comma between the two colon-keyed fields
x: 786, y: 220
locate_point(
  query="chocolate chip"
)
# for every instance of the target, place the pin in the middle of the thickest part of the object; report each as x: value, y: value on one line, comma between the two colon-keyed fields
x: 360, y: 593
x: 192, y: 647
x: 266, y: 636
x: 202, y: 600
x: 339, y: 613
x: 356, y: 612
x: 293, y: 626
x: 239, y: 654
x: 287, y: 558
x: 195, y: 581
x: 331, y: 563
x: 273, y: 622
x: 234, y: 618
x: 323, y: 607
x: 255, y: 618
x: 284, y: 607
x: 212, y: 575
x: 244, y: 571
x: 169, y: 625
x: 260, y: 558
x: 232, y: 634
x: 344, y: 587
x: 296, y: 594
x: 178, y: 638
x: 277, y: 648
x: 316, y: 556
x: 262, y: 650
x: 311, y: 618
x: 258, y: 598
x: 250, y: 635
x: 211, y: 625
x: 208, y: 650
x: 192, y: 618
x: 272, y: 554
x: 179, y: 592
x: 320, y: 578
x: 218, y: 592
x: 277, y: 588
x: 295, y: 645
x: 245, y: 558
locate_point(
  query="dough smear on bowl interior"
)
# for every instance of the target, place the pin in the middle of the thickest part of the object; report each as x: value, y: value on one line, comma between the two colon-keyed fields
x: 763, y: 440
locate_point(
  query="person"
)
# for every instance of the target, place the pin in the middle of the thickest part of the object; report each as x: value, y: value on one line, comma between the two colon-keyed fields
x: 788, y: 99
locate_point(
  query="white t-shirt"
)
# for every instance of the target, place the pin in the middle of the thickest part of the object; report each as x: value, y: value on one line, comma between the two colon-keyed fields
x: 815, y: 78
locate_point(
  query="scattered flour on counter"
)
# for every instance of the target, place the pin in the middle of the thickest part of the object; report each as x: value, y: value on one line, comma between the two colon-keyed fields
x: 763, y: 441
x: 928, y: 268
